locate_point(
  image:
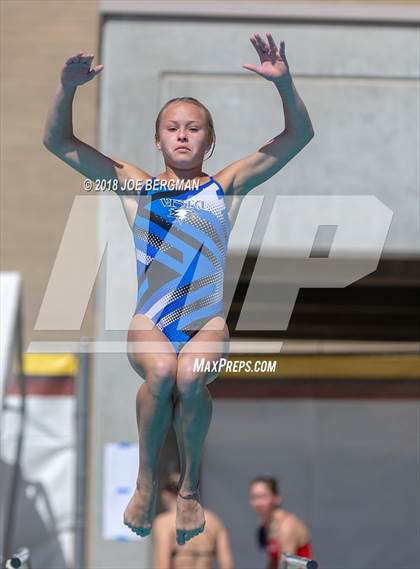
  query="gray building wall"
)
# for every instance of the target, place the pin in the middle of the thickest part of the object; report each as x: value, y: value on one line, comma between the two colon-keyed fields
x: 360, y: 84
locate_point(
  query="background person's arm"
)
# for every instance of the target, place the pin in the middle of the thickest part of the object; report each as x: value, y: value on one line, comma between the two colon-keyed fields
x: 245, y: 174
x: 288, y: 536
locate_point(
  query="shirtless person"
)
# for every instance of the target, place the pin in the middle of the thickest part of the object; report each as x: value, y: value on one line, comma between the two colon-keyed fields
x: 199, y: 553
x: 280, y: 531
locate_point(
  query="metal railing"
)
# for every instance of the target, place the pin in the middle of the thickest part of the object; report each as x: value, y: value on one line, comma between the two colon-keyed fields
x: 11, y: 368
x: 289, y: 561
x: 82, y: 403
x: 21, y: 559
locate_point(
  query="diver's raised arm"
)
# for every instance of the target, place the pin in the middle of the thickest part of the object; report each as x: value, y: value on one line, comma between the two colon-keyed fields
x: 245, y: 174
x: 59, y: 137
x: 76, y: 71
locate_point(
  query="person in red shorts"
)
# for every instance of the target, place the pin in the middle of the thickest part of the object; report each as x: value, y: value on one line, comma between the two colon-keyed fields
x: 279, y: 531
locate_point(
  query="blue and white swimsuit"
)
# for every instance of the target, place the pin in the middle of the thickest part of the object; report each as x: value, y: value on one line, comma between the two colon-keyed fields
x: 181, y: 239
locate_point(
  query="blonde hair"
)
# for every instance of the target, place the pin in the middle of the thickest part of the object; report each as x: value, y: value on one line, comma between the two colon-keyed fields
x: 209, y: 118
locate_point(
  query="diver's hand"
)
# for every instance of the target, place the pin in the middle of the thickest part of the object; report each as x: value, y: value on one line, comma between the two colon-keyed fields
x: 273, y: 63
x: 76, y: 70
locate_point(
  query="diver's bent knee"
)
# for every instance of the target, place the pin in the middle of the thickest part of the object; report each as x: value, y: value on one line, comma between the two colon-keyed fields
x: 136, y: 363
x: 162, y: 387
x: 161, y: 366
x: 211, y: 376
x: 161, y: 376
x: 189, y: 381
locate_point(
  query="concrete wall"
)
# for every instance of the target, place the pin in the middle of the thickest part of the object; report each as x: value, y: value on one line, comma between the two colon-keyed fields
x: 362, y: 97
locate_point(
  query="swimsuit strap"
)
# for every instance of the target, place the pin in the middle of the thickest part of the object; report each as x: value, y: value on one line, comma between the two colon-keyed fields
x: 148, y: 180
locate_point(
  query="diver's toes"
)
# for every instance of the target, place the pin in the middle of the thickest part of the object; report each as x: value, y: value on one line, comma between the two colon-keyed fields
x: 143, y: 532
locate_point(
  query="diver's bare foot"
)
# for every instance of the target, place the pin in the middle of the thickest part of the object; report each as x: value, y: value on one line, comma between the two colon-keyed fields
x: 190, y: 520
x: 140, y: 511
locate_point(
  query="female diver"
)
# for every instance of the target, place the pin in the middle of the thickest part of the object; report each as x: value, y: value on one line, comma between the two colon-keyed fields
x: 180, y: 240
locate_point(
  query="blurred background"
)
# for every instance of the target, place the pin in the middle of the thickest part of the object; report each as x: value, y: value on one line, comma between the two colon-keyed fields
x: 334, y: 283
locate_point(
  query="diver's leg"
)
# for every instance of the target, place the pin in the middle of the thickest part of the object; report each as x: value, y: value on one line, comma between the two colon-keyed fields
x: 179, y: 437
x: 154, y: 410
x: 194, y: 410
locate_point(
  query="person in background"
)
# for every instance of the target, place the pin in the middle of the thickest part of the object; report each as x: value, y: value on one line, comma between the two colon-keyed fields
x: 213, y: 543
x: 279, y: 531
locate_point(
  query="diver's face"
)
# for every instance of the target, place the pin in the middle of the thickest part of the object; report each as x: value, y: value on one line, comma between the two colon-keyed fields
x: 183, y: 134
x: 262, y: 499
